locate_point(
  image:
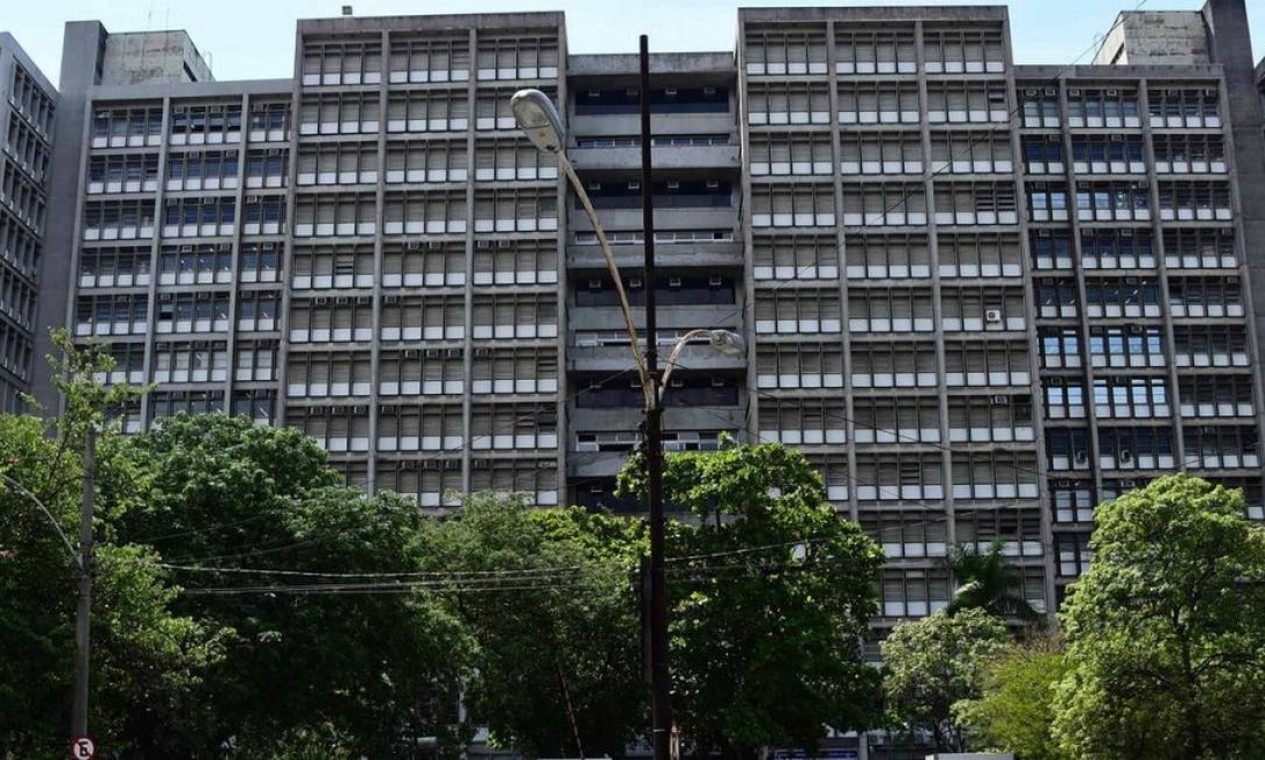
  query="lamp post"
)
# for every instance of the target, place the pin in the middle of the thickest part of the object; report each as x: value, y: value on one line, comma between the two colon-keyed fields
x: 81, y: 558
x: 538, y: 118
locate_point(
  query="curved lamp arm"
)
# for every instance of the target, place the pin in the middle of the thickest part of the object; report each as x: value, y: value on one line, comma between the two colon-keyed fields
x: 74, y: 553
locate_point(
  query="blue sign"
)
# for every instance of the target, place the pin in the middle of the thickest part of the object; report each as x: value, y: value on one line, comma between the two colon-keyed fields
x: 825, y: 753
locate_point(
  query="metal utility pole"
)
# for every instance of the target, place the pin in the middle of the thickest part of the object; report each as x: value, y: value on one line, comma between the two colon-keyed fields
x: 660, y: 684
x: 79, y: 716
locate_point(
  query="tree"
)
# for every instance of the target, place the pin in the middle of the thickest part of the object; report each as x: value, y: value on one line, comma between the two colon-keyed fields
x: 257, y: 529
x: 1165, y: 630
x: 559, y: 664
x: 771, y: 593
x: 145, y: 659
x: 933, y: 663
x: 1015, y: 711
x: 987, y: 580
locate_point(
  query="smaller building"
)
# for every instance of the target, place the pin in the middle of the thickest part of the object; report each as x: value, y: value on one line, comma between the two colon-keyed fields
x: 27, y: 103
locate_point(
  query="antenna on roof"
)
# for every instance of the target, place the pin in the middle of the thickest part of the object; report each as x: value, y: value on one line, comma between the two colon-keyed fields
x: 347, y: 10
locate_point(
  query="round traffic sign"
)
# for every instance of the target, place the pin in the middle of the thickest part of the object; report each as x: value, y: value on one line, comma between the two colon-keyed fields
x: 83, y: 748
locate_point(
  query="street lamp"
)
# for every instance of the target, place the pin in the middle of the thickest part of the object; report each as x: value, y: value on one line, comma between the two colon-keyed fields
x: 81, y: 558
x: 537, y: 116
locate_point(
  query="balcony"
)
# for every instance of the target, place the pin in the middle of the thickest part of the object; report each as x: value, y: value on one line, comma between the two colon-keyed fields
x: 664, y: 157
x: 703, y: 253
x: 678, y: 317
x: 617, y: 357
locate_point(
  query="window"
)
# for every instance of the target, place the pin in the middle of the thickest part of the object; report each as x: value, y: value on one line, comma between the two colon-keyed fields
x: 342, y: 63
x: 877, y: 52
x: 778, y: 52
x: 429, y: 59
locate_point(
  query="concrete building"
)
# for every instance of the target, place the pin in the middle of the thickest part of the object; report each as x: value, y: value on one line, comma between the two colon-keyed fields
x: 27, y: 104
x: 980, y: 296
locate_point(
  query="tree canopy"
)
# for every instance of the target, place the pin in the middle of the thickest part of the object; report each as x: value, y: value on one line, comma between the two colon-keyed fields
x: 559, y: 664
x: 1015, y: 710
x: 253, y: 524
x: 771, y: 593
x: 986, y: 580
x: 1166, y: 629
x: 933, y: 663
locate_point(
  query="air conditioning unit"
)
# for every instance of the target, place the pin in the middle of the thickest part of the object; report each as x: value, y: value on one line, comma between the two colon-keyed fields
x: 481, y: 244
x: 670, y: 92
x: 480, y: 464
x: 410, y: 353
x: 718, y: 382
x: 252, y: 199
x: 1050, y: 91
x: 321, y: 300
x: 634, y: 185
x: 1137, y: 329
x: 1081, y: 457
x: 1073, y: 93
x: 1113, y: 93
x: 412, y: 245
x: 482, y: 352
x: 1065, y: 484
x: 1001, y: 400
x: 342, y: 300
x: 453, y: 353
x: 390, y: 299
x: 674, y: 282
x: 1031, y: 92
x: 504, y: 244
x: 186, y: 249
x: 409, y: 464
x: 1117, y: 138
x: 452, y: 464
x: 431, y: 464
x: 1130, y: 483
x: 634, y: 283
x: 674, y: 185
x: 715, y: 281
x: 677, y: 382
x: 712, y: 184
x: 431, y: 353
x: 228, y: 247
x: 1043, y: 233
x: 595, y: 284
x: 435, y: 245
x: 992, y: 316
x: 1125, y: 456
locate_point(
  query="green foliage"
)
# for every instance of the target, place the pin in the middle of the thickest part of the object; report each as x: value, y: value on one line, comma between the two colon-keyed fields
x: 987, y: 581
x: 771, y: 593
x: 559, y: 650
x: 145, y: 658
x: 225, y: 494
x: 933, y: 663
x: 1015, y: 711
x: 1166, y: 629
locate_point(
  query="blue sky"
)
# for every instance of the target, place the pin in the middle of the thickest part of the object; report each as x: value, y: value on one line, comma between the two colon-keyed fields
x: 254, y: 38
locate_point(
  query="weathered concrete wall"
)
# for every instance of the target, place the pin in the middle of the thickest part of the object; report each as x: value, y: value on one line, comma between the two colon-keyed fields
x: 153, y: 57
x: 1164, y: 38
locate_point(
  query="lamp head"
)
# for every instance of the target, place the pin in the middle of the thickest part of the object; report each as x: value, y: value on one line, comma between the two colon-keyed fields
x: 728, y: 342
x: 537, y: 116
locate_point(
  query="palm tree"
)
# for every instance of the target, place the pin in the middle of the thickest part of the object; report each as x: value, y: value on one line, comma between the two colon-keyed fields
x: 988, y: 581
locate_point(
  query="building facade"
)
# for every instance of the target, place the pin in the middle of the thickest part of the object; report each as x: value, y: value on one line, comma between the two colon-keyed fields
x: 27, y: 104
x: 981, y: 297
